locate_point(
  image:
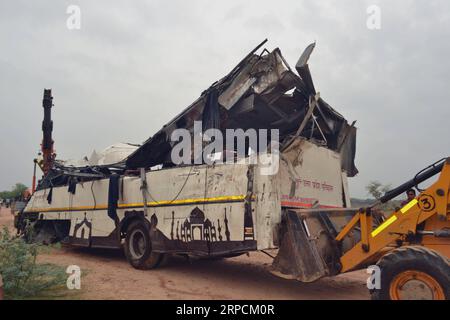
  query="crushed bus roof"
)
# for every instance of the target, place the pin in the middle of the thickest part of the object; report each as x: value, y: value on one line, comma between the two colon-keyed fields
x: 262, y: 91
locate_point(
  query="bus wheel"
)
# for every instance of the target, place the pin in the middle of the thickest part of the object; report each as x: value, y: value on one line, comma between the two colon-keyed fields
x: 413, y: 273
x: 138, y: 247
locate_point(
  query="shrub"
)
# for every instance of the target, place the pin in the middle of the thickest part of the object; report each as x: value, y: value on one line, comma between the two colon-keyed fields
x: 22, y: 276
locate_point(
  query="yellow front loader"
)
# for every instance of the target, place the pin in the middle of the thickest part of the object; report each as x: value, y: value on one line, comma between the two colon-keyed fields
x: 409, y: 250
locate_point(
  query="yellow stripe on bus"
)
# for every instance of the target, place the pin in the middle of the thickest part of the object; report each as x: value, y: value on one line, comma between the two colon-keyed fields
x: 183, y: 201
x: 383, y: 226
x: 141, y: 204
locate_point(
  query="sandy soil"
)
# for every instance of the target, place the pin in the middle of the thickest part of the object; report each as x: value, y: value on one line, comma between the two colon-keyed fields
x: 107, y: 275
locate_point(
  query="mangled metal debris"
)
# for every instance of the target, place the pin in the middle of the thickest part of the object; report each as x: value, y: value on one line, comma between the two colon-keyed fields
x: 261, y: 92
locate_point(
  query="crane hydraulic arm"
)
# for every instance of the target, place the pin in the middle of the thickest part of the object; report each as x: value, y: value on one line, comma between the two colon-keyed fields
x: 47, y: 128
x: 402, y: 226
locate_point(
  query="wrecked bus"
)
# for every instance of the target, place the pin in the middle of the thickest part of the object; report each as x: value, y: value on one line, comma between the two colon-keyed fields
x: 138, y: 198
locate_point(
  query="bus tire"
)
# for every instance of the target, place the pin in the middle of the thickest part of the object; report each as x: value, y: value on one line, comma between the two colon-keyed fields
x: 138, y: 247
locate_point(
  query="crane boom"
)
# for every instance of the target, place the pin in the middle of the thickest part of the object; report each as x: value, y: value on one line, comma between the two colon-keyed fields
x: 47, y: 128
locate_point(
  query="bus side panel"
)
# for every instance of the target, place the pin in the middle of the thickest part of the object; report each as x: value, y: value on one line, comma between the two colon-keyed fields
x: 201, y: 209
x: 267, y: 208
x: 311, y: 177
x: 207, y: 216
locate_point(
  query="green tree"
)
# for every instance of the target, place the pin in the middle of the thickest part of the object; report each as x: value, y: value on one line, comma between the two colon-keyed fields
x: 15, y: 192
x: 376, y: 189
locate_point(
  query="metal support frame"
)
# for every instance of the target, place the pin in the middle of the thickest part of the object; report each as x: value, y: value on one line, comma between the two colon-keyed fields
x: 313, y: 101
x: 144, y: 189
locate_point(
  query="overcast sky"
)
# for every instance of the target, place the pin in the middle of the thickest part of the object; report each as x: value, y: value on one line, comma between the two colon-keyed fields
x: 133, y: 65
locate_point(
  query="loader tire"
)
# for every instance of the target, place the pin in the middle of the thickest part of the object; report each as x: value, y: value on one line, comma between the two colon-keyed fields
x: 413, y: 273
x: 138, y: 247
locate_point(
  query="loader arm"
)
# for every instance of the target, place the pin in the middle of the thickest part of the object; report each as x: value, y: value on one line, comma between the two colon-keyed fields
x: 402, y: 225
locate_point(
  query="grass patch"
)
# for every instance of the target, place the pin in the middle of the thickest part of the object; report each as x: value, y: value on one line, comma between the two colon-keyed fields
x: 23, y: 277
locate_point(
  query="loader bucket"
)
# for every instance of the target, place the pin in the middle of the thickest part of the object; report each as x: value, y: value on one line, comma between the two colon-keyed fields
x: 307, y: 248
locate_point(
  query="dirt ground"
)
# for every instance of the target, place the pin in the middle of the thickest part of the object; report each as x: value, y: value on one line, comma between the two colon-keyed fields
x: 107, y: 275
